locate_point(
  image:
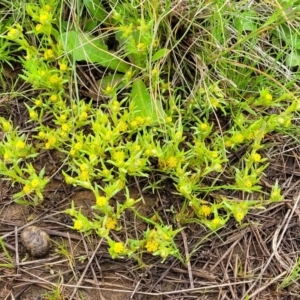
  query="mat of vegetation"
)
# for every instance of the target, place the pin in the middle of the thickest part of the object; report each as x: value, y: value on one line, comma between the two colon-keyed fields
x: 149, y: 149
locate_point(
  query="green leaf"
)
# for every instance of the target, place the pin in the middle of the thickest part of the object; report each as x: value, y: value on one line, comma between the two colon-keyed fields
x: 246, y: 21
x: 143, y: 105
x: 84, y: 47
x: 96, y: 9
x: 290, y: 37
x: 293, y: 59
x: 160, y: 54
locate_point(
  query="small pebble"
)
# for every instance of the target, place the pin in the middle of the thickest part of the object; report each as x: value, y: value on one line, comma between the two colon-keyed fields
x: 36, y: 241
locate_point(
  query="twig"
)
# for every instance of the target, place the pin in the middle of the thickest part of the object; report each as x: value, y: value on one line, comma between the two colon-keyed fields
x: 85, y: 270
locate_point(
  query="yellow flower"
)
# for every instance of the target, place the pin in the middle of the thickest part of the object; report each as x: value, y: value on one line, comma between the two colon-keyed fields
x: 115, y: 106
x: 20, y: 145
x: 111, y: 223
x: 119, y: 156
x: 178, y: 135
x: 154, y: 72
x: 126, y: 30
x: 78, y: 146
x: 26, y: 189
x: 33, y: 115
x: 237, y: 138
x: 63, y: 118
x: 137, y: 148
x: 172, y: 162
x: 122, y: 126
x: 129, y: 202
x: 14, y: 33
x: 38, y: 102
x: 216, y: 222
x: 52, y: 140
x: 48, y: 54
x: 152, y: 246
x: 155, y: 43
x: 84, y: 175
x: 63, y: 67
x: 101, y: 201
x: 214, y: 154
x: 204, y: 210
x: 268, y: 97
x: 128, y: 74
x: 239, y: 216
x: 7, y: 155
x: 65, y: 127
x: 248, y: 183
x: 256, y: 157
x: 72, y: 152
x: 203, y: 126
x: 214, y: 102
x: 42, y: 135
x: 169, y: 120
x: 35, y: 183
x: 118, y: 248
x: 83, y: 116
x: 141, y: 47
x: 105, y: 172
x: 140, y: 120
x: 54, y: 79
x: 78, y: 225
x: 134, y: 124
x: 53, y: 98
x: 45, y: 17
x: 6, y: 126
x: 108, y: 89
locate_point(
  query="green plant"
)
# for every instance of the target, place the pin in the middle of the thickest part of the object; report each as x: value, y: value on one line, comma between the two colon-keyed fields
x: 154, y: 116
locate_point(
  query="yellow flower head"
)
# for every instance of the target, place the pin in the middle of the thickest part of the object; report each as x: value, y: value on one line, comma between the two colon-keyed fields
x: 204, y: 210
x: 119, y: 156
x: 118, y: 248
x: 239, y: 216
x: 78, y: 225
x: 84, y: 175
x: 39, y: 27
x: 152, y: 246
x: 65, y: 127
x: 53, y: 98
x: 20, y: 145
x: 48, y: 54
x: 83, y: 116
x: 111, y: 223
x: 122, y: 126
x: 141, y: 47
x: 203, y: 126
x: 101, y: 201
x: 172, y: 162
x: 42, y: 134
x: 248, y: 183
x: 14, y: 33
x: 55, y: 79
x: 38, y: 102
x: 33, y: 115
x: 78, y: 146
x: 63, y: 67
x: 45, y: 17
x: 35, y: 183
x: 256, y: 157
x: 26, y: 189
